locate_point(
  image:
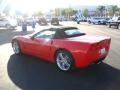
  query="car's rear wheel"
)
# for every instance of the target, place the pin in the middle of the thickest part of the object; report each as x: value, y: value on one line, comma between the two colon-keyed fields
x: 64, y: 60
x: 16, y: 47
x: 117, y: 26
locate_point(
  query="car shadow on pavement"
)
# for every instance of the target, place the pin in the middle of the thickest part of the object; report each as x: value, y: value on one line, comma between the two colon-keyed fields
x: 6, y: 36
x: 30, y: 73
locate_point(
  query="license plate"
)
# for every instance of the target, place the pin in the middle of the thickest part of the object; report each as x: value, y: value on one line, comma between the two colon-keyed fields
x: 102, y: 51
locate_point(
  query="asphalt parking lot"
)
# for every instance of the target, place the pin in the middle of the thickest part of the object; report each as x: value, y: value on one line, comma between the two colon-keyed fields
x: 31, y: 73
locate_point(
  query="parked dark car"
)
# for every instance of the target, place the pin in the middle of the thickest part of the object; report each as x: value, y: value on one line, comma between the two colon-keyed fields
x: 55, y: 21
x: 42, y: 21
x: 115, y: 21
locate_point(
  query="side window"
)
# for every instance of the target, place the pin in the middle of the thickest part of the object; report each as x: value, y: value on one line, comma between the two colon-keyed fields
x: 119, y: 18
x: 45, y: 34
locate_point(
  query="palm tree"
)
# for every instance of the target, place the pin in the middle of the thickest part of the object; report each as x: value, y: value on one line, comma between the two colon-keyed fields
x: 101, y: 10
x: 68, y: 12
x: 86, y: 13
x: 57, y: 11
x: 113, y: 9
x: 119, y: 11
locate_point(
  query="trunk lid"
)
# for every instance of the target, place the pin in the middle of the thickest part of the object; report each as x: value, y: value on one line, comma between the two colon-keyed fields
x: 88, y: 39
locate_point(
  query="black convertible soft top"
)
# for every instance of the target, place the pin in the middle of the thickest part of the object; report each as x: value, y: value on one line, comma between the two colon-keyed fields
x: 63, y: 28
x: 60, y: 32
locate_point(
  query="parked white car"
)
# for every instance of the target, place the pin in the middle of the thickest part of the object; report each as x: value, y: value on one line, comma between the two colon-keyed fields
x: 97, y: 20
x: 115, y: 21
x: 8, y: 23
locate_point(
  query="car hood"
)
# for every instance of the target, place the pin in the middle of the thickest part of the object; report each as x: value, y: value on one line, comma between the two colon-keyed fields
x: 88, y: 39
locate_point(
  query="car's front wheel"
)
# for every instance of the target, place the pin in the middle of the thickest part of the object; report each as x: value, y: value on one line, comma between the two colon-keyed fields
x: 109, y: 25
x: 64, y: 60
x: 78, y: 22
x: 89, y: 22
x: 99, y: 22
x: 16, y: 47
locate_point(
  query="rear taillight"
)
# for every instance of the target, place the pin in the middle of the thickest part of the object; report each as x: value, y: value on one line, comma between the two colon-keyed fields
x: 99, y: 45
x: 94, y: 47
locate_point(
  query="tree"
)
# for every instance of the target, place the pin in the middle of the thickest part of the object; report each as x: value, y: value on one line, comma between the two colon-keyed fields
x: 74, y: 12
x: 119, y: 11
x: 38, y: 14
x: 113, y: 9
x: 57, y: 11
x: 85, y: 13
x: 63, y: 12
x: 100, y: 10
x: 68, y: 12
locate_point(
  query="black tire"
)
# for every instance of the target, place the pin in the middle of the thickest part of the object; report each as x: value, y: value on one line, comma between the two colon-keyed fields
x: 69, y: 61
x: 19, y: 49
x: 117, y: 26
x: 57, y: 23
x: 78, y: 22
x: 99, y: 22
x: 89, y: 22
x: 109, y: 25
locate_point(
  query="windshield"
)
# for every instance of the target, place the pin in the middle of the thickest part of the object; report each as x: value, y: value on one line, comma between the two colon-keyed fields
x: 114, y: 18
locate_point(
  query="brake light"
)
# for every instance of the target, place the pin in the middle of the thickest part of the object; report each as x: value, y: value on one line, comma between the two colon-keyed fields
x: 94, y: 47
x: 99, y: 45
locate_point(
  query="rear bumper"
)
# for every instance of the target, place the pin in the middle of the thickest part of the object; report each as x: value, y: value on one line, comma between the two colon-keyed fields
x: 82, y: 61
x: 113, y: 23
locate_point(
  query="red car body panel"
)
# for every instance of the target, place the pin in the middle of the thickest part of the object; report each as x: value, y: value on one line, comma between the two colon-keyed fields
x: 84, y: 49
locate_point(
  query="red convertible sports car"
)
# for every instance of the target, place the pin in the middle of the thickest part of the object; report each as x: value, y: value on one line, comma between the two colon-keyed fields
x: 68, y: 47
